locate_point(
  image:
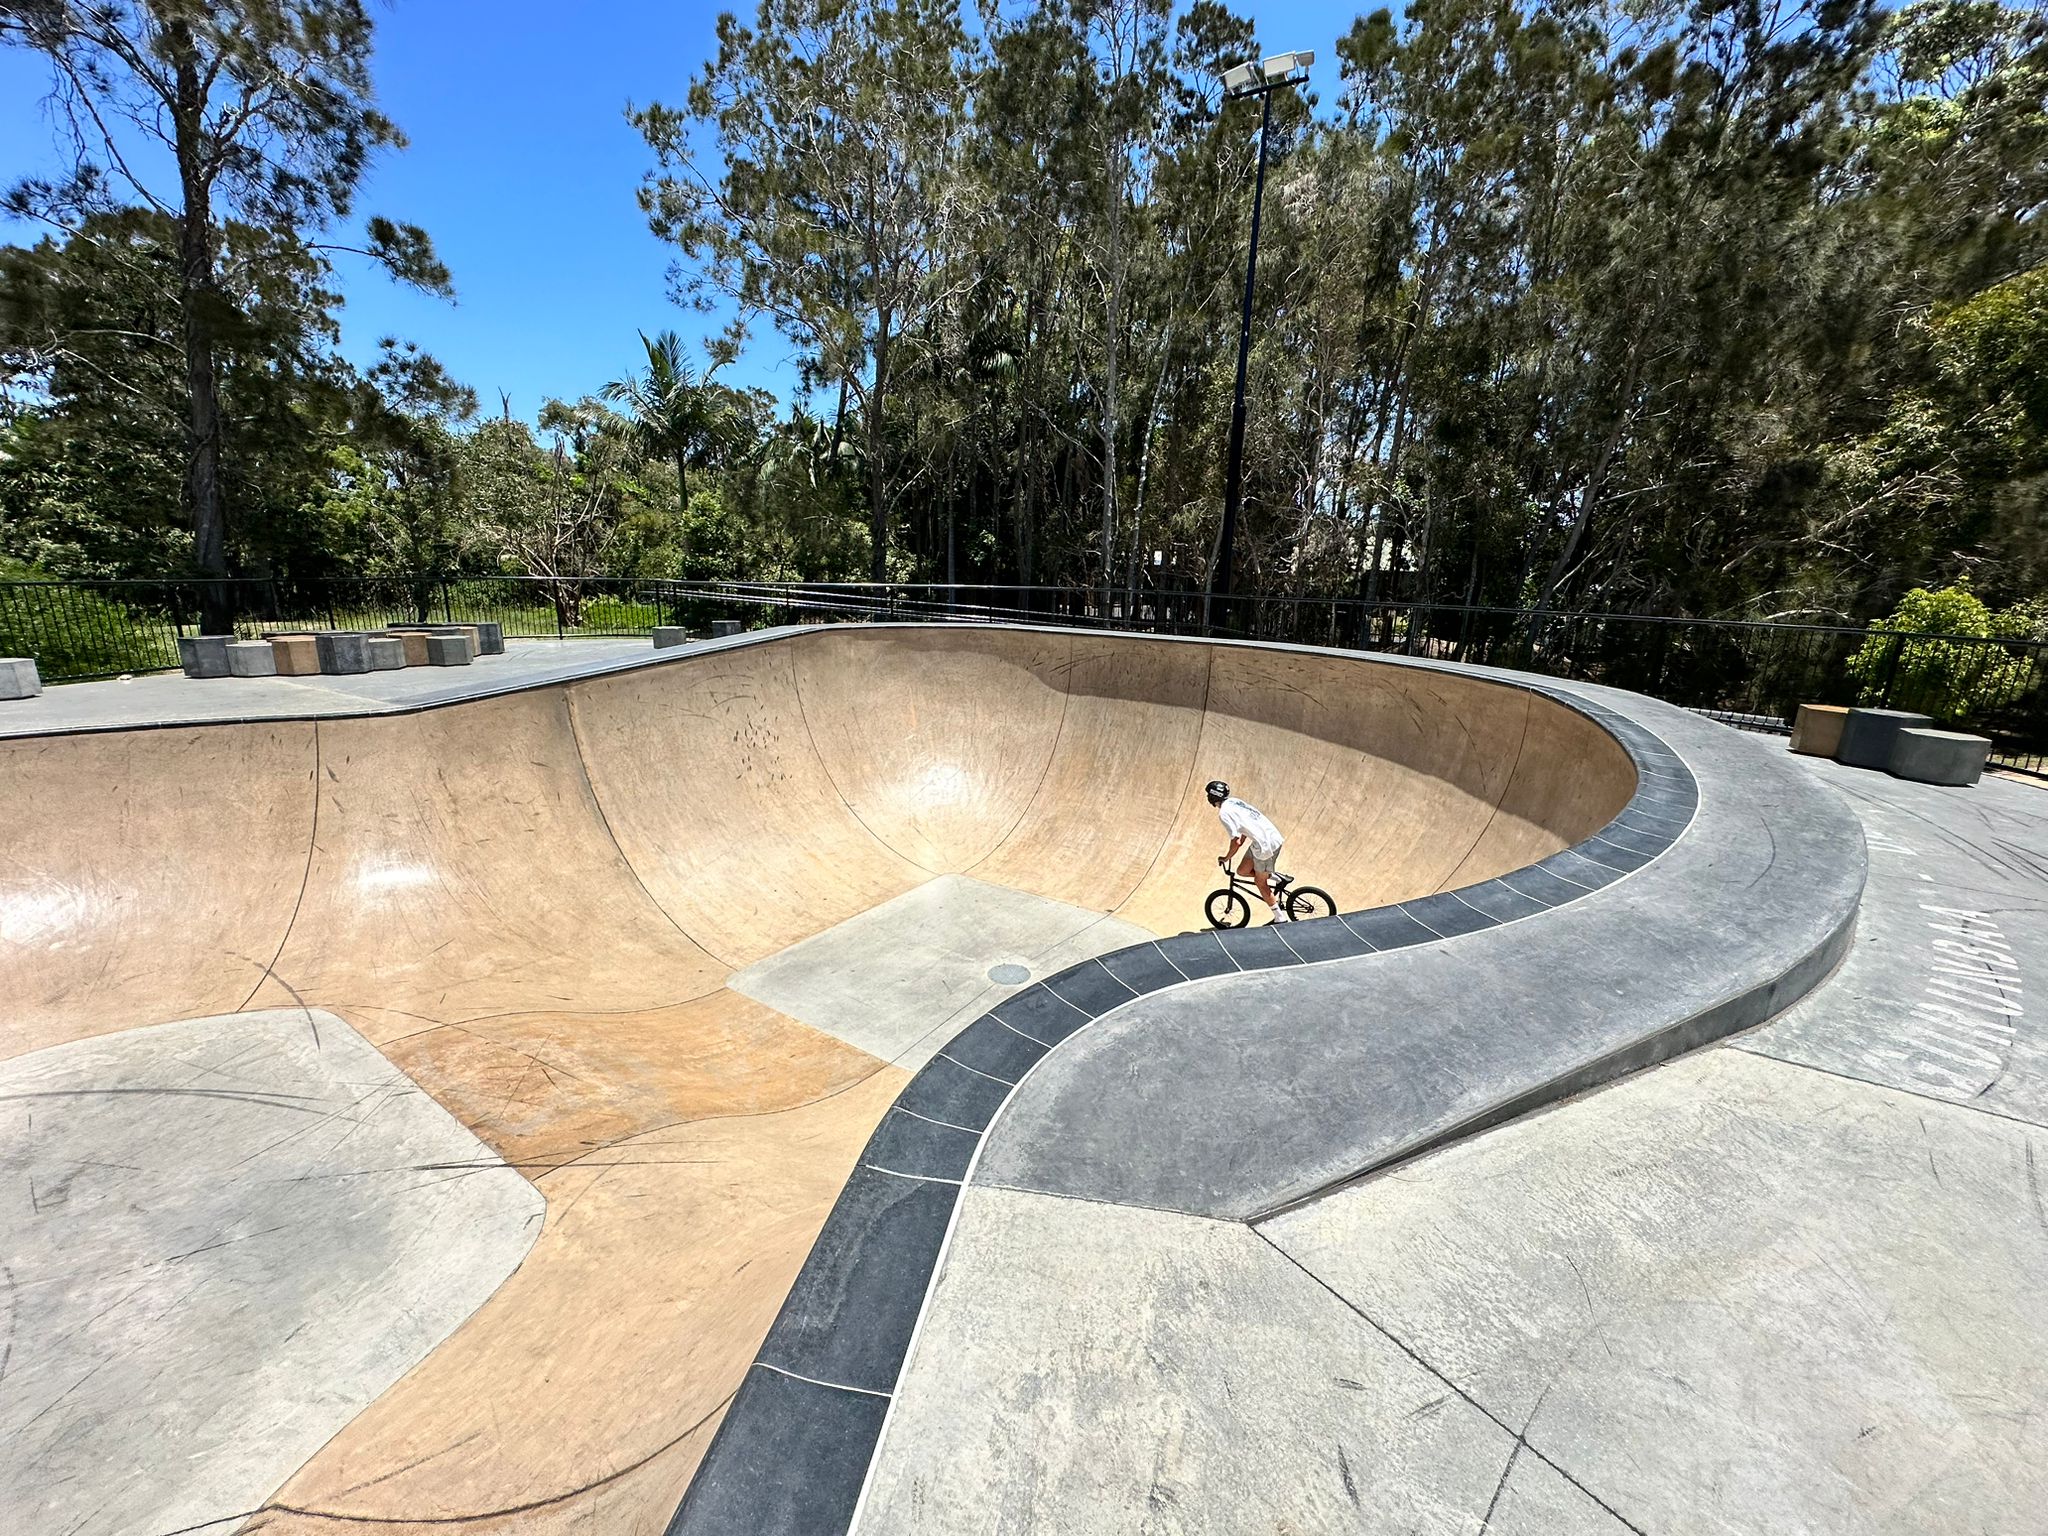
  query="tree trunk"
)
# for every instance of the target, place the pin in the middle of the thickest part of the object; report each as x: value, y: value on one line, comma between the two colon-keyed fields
x: 878, y: 505
x: 195, y: 295
x: 1112, y: 348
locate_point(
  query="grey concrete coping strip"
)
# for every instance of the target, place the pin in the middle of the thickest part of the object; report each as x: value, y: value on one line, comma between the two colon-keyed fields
x: 1304, y: 997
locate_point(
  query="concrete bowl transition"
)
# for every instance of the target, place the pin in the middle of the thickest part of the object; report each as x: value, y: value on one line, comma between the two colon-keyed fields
x: 545, y: 1110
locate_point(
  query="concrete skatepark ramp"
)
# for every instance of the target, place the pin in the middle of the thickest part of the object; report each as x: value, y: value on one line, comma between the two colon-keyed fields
x: 662, y: 945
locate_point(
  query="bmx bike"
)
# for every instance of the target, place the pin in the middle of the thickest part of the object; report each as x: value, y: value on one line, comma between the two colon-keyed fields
x: 1231, y: 908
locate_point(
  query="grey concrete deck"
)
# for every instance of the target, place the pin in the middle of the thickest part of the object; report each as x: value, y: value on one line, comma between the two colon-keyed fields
x: 171, y: 698
x: 222, y: 1239
x: 1788, y: 1283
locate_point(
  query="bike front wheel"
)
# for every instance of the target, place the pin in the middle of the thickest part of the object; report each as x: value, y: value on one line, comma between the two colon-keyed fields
x: 1305, y: 903
x: 1228, y: 909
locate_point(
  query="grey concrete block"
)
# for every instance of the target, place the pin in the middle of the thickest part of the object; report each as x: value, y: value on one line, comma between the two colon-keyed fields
x: 19, y: 678
x: 720, y: 628
x: 387, y: 653
x: 1939, y: 757
x: 666, y: 635
x: 252, y: 658
x: 448, y: 650
x: 490, y: 639
x: 1868, y: 735
x: 204, y: 655
x: 342, y: 652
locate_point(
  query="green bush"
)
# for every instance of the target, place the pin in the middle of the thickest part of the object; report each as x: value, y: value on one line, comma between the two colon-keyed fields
x: 1907, y: 663
x: 613, y: 616
x: 75, y: 632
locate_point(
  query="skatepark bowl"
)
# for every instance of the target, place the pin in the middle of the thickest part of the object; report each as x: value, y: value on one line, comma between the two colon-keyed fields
x: 432, y: 1117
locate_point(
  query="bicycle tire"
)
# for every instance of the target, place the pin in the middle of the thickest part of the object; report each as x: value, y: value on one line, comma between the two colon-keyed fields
x: 1227, y: 908
x: 1306, y: 903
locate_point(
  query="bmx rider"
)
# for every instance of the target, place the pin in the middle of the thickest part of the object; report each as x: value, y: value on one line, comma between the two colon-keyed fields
x: 1246, y: 824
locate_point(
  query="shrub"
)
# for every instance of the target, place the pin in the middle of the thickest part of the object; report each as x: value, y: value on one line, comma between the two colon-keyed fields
x: 1908, y: 663
x: 73, y: 631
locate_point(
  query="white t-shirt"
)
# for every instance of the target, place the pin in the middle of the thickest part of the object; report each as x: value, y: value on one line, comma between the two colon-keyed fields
x: 1241, y: 820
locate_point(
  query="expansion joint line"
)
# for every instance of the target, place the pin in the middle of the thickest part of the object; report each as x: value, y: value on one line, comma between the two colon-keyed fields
x: 1520, y: 1436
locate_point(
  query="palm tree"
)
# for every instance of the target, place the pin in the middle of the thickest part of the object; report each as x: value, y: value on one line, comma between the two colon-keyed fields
x: 677, y: 415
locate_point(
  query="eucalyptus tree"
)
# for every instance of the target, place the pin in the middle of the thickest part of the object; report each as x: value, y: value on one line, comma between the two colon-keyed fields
x: 259, y: 110
x: 813, y: 177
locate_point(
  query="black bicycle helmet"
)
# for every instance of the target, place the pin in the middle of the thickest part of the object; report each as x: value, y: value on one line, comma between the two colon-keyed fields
x: 1218, y: 791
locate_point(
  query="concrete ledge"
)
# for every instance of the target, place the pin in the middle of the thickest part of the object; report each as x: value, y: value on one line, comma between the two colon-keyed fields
x: 1724, y: 891
x: 295, y: 655
x: 1818, y: 730
x: 448, y: 650
x: 342, y: 653
x: 1939, y: 757
x: 252, y: 658
x: 387, y: 653
x: 204, y: 655
x: 19, y: 678
x: 1868, y: 735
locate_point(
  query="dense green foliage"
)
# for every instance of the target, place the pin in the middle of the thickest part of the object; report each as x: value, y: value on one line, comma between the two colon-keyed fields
x: 1728, y: 308
x: 1954, y: 681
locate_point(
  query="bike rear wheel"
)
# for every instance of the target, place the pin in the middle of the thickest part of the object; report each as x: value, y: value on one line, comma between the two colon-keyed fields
x: 1227, y: 908
x: 1305, y: 903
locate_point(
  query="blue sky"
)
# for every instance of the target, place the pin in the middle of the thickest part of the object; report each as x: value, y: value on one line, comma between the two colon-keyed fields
x: 523, y: 168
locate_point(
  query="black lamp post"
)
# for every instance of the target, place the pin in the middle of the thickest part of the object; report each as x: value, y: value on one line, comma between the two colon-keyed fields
x: 1245, y: 80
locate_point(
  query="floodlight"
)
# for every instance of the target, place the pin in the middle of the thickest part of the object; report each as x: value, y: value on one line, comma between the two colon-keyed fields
x: 1264, y: 80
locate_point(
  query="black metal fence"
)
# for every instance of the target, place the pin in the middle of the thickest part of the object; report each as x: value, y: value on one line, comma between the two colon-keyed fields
x: 1752, y: 675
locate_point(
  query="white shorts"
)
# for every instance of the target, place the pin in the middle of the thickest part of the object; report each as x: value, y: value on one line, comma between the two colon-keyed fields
x: 1263, y: 862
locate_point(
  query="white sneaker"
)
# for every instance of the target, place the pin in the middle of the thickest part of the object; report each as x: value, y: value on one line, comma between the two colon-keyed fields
x: 1280, y: 914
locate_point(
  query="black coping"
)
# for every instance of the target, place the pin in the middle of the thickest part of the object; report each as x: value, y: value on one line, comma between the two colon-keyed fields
x: 791, y: 1455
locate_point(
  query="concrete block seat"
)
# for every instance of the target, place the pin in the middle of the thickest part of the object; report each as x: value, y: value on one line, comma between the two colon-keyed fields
x: 667, y: 635
x: 19, y: 678
x: 721, y: 628
x: 204, y: 655
x: 342, y: 652
x: 1817, y: 732
x: 448, y: 650
x: 387, y: 653
x: 295, y: 655
x: 486, y: 638
x: 414, y: 644
x: 1868, y: 735
x: 1939, y: 757
x: 252, y: 658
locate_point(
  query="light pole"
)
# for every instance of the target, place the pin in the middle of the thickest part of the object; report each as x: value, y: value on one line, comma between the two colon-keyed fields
x: 1244, y: 80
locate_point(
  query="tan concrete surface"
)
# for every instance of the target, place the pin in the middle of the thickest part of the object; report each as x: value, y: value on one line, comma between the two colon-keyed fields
x: 297, y: 655
x: 1817, y: 731
x: 532, y: 903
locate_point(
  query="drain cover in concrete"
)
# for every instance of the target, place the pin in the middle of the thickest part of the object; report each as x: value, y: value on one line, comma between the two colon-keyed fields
x: 1009, y: 975
x: 886, y: 980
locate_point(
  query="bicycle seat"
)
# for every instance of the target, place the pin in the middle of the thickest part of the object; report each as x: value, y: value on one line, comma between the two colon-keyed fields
x: 1281, y: 882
